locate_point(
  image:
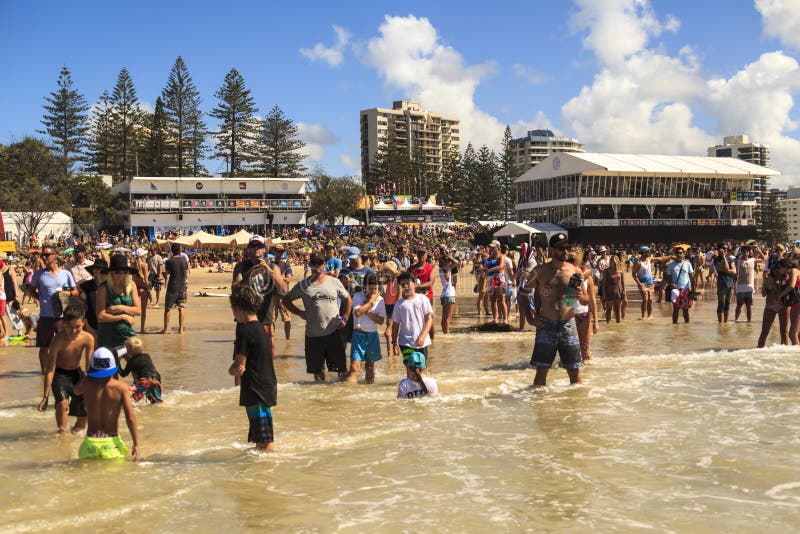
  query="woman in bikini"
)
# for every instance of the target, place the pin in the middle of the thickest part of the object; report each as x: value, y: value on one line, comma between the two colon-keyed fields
x: 613, y: 289
x: 774, y: 284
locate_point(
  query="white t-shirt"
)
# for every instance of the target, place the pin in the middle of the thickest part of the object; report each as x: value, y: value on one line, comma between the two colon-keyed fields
x: 446, y: 277
x: 745, y: 272
x: 410, y: 314
x: 364, y: 323
x: 410, y: 389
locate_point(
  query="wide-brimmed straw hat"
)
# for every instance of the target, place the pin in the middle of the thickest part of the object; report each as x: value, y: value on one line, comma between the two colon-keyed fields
x: 119, y: 263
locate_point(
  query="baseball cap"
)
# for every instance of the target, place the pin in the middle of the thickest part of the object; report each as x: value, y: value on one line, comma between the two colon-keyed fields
x: 79, y: 248
x: 329, y: 245
x: 644, y: 248
x: 602, y: 248
x: 353, y: 252
x: 558, y: 238
x: 494, y: 243
x: 138, y: 253
x: 316, y: 259
x: 103, y: 364
x: 257, y: 241
x: 414, y: 359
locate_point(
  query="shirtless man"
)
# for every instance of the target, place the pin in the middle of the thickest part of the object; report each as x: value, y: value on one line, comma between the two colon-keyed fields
x: 554, y: 297
x: 63, y: 369
x: 105, y: 396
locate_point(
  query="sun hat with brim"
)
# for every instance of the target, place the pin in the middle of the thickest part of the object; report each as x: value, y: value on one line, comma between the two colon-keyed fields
x: 682, y: 246
x: 138, y: 253
x: 389, y: 267
x: 119, y: 262
x: 98, y: 265
x: 103, y: 364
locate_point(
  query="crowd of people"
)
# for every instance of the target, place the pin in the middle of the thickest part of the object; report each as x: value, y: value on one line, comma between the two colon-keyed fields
x: 370, y: 289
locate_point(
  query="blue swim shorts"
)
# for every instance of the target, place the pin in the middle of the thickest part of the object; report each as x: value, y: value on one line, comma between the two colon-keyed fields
x: 365, y: 347
x: 260, y: 417
x: 447, y: 300
x: 557, y: 336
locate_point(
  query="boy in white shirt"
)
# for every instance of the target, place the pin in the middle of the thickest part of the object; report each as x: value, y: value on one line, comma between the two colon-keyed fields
x: 412, y: 317
x: 369, y: 311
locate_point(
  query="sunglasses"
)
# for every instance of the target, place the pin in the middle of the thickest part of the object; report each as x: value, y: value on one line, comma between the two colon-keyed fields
x: 46, y: 254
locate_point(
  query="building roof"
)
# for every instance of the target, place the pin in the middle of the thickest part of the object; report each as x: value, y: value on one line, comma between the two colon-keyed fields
x: 566, y: 163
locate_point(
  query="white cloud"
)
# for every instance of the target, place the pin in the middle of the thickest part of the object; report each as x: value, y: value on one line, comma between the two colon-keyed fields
x: 350, y: 161
x: 758, y: 101
x: 316, y: 137
x: 529, y: 74
x: 642, y: 99
x: 332, y: 55
x: 411, y: 59
x: 781, y: 19
x: 618, y: 28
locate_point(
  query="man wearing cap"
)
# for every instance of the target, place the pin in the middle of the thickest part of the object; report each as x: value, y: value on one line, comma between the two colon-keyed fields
x: 355, y: 270
x: 45, y: 287
x: 321, y: 295
x: 265, y: 279
x: 680, y: 273
x: 105, y: 396
x: 726, y: 280
x: 497, y: 282
x: 557, y: 287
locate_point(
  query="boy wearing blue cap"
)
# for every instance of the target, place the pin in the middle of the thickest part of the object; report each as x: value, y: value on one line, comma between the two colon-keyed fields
x: 415, y: 385
x: 105, y: 397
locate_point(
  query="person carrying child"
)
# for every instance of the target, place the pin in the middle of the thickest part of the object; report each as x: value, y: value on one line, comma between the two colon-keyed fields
x: 252, y: 361
x: 415, y: 385
x: 146, y: 379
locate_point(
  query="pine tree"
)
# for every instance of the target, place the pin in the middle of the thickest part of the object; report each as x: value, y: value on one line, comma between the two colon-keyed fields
x: 773, y: 227
x: 279, y: 146
x: 126, y: 116
x: 197, y: 144
x: 467, y: 191
x: 508, y: 173
x: 182, y: 103
x: 101, y: 137
x: 391, y: 167
x: 156, y: 160
x: 239, y: 126
x: 489, y: 199
x: 451, y: 178
x: 65, y: 121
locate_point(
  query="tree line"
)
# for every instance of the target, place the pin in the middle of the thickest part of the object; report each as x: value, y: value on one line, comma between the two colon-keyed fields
x: 118, y: 137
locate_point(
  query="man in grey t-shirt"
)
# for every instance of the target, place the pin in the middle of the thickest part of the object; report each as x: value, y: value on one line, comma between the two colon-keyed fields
x: 327, y: 306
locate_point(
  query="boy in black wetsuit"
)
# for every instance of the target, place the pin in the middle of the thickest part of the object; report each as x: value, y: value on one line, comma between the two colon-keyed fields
x: 146, y: 379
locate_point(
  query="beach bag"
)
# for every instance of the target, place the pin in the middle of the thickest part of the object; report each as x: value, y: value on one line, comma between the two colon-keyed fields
x: 668, y: 293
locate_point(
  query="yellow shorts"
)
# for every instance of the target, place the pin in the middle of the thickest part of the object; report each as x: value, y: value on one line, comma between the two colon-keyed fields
x: 111, y: 448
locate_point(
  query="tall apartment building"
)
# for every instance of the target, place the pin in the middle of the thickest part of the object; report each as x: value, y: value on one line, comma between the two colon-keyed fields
x: 539, y: 144
x: 790, y: 205
x: 739, y: 146
x: 411, y: 128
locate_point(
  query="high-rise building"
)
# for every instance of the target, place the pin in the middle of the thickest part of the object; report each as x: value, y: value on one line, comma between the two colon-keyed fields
x: 740, y: 147
x: 418, y: 133
x: 537, y: 145
x: 790, y: 204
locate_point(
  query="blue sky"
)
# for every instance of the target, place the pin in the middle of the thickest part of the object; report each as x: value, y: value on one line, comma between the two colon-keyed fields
x: 621, y: 75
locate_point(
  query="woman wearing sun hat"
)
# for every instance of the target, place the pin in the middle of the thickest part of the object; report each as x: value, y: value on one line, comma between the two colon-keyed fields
x: 118, y: 304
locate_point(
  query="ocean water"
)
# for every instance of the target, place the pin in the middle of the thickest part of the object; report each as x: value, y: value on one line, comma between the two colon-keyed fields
x: 675, y: 428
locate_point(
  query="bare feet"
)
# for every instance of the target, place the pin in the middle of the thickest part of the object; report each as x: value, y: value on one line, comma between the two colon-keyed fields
x: 164, y: 332
x: 319, y: 377
x: 352, y: 378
